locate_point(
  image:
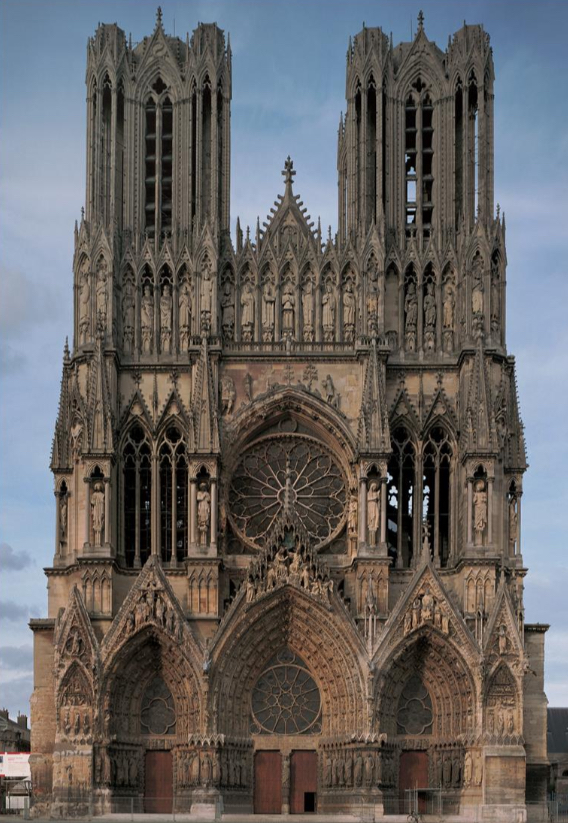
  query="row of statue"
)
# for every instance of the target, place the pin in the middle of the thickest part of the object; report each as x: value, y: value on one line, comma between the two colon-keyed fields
x: 500, y: 721
x: 357, y: 769
x: 76, y: 725
x: 151, y: 608
x: 224, y: 767
x: 454, y: 770
x: 118, y: 768
x: 425, y: 609
x: 293, y: 566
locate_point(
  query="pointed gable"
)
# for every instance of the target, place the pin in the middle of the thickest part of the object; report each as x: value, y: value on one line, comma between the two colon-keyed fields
x: 204, y: 411
x: 373, y: 431
x: 100, y: 416
x: 75, y: 638
x: 479, y: 425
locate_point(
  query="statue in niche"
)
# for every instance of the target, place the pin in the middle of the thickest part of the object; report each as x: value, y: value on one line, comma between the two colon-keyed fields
x: 228, y: 394
x: 184, y: 316
x: 467, y: 770
x: 98, y: 512
x: 63, y: 517
x: 166, y: 304
x: 358, y: 769
x: 268, y: 306
x: 84, y: 304
x: 147, y: 319
x: 373, y: 510
x: 349, y: 304
x: 206, y: 295
x: 502, y: 640
x: 373, y: 308
x: 411, y: 316
x: 128, y: 317
x: 76, y: 437
x: 247, y: 313
x: 479, y: 511
x: 477, y: 294
x: 427, y: 606
x: 495, y: 298
x: 352, y: 517
x: 203, y: 512
x: 513, y: 523
x: 430, y: 307
x: 228, y: 311
x: 448, y: 310
x: 308, y: 311
x: 329, y: 307
x: 101, y: 290
x: 288, y: 309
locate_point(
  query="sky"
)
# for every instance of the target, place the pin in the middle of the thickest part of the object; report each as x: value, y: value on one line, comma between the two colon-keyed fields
x: 288, y: 92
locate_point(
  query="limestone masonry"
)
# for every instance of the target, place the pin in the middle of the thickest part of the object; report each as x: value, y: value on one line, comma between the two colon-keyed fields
x: 287, y: 569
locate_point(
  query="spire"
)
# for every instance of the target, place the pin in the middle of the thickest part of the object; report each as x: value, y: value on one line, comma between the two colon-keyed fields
x: 204, y: 412
x: 373, y: 431
x: 60, y: 447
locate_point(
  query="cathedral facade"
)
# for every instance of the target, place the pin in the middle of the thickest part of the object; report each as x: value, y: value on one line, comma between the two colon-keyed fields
x: 288, y: 468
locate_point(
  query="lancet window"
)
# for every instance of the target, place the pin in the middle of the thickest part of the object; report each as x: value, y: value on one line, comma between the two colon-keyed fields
x: 419, y: 160
x: 436, y: 492
x: 136, y: 497
x: 173, y: 472
x: 158, y: 160
x: 401, y: 498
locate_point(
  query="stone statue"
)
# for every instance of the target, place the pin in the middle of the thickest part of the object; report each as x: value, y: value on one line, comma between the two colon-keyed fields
x: 448, y: 307
x: 513, y: 523
x: 98, y: 512
x: 308, y: 311
x: 250, y: 590
x: 206, y: 295
x: 147, y: 319
x: 477, y: 288
x: 373, y: 510
x: 203, y: 512
x: 495, y: 298
x: 101, y: 287
x: 329, y: 306
x: 288, y: 309
x: 467, y: 770
x: 330, y: 394
x: 352, y: 517
x: 76, y: 437
x: 63, y: 517
x: 268, y: 304
x: 349, y: 305
x: 228, y: 394
x: 479, y: 511
x: 502, y: 639
x: 430, y: 307
x: 184, y: 316
x: 247, y: 313
x: 128, y: 317
x: 411, y: 316
x: 166, y: 320
x: 358, y: 770
x: 427, y: 606
x: 228, y: 311
x: 84, y: 304
x: 373, y: 307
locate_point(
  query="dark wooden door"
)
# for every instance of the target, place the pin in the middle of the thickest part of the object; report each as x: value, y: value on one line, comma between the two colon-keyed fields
x: 304, y: 782
x: 159, y: 783
x: 413, y: 775
x: 267, y: 783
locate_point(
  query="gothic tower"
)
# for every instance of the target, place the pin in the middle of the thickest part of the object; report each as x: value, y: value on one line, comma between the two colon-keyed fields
x: 289, y: 470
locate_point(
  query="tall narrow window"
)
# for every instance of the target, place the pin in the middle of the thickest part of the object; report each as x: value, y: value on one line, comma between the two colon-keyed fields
x: 173, y: 496
x: 193, y: 153
x: 158, y: 160
x: 472, y: 105
x: 119, y: 179
x: 106, y: 142
x: 400, y: 499
x: 372, y: 151
x: 436, y: 496
x: 458, y: 144
x: 419, y: 160
x: 136, y: 497
x: 206, y: 149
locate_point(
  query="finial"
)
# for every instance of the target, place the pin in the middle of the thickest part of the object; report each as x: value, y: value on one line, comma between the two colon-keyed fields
x: 329, y: 234
x: 248, y: 234
x: 130, y: 41
x: 288, y: 172
x: 66, y: 350
x: 82, y: 213
x: 420, y: 20
x: 498, y: 211
x: 159, y: 16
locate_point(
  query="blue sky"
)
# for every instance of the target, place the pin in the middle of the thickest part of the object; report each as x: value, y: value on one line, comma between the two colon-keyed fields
x: 288, y: 92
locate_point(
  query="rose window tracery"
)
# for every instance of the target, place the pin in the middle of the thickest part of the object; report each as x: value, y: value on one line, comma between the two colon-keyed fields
x: 158, y: 713
x: 291, y: 471
x: 286, y: 698
x: 414, y: 714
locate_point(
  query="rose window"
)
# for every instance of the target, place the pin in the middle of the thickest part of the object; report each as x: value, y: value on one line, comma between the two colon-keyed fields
x: 286, y: 699
x: 292, y: 471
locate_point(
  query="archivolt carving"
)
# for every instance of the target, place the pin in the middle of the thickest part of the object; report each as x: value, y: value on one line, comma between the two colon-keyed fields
x: 289, y: 618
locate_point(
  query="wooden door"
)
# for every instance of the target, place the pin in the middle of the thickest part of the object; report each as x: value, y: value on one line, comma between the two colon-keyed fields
x: 268, y: 783
x: 413, y: 774
x: 304, y: 782
x: 159, y: 783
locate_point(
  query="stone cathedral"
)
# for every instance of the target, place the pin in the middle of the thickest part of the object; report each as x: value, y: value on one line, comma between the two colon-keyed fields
x: 288, y: 465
